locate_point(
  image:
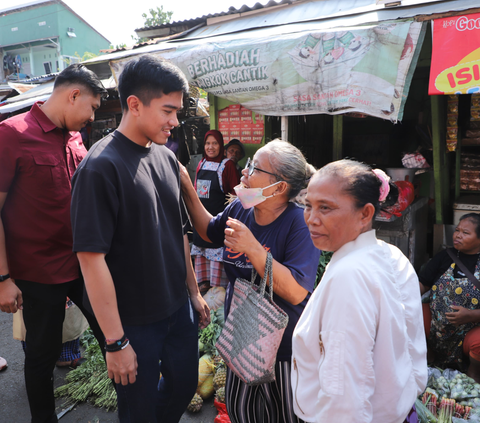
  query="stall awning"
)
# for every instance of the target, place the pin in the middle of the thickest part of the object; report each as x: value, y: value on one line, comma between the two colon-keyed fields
x: 455, y: 55
x: 274, y: 76
x: 305, y: 70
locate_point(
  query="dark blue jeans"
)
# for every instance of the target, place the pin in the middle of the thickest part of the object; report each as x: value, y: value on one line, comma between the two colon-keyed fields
x: 169, y: 347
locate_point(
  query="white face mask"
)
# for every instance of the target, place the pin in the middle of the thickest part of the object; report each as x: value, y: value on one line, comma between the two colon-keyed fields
x: 250, y: 197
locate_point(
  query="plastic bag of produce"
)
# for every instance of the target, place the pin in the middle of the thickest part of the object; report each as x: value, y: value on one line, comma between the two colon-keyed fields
x: 205, y: 368
x: 450, y: 373
x: 433, y: 373
x: 464, y: 388
x: 215, y: 297
x: 222, y: 416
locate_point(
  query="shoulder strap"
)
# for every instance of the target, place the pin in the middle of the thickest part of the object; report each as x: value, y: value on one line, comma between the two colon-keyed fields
x: 463, y: 268
x: 220, y: 169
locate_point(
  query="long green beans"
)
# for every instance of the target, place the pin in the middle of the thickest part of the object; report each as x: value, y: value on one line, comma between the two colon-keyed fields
x: 89, y: 382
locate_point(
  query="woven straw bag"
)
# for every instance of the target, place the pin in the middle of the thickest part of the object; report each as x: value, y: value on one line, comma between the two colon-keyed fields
x: 253, y: 330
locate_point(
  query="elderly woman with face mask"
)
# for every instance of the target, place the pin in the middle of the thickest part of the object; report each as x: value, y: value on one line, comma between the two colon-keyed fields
x: 263, y: 219
x: 359, y: 351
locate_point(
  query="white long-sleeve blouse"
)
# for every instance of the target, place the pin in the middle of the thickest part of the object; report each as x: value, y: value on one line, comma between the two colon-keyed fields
x: 359, y: 348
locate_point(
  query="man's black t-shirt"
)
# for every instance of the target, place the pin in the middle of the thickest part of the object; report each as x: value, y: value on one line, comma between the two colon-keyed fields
x: 439, y: 264
x: 126, y: 203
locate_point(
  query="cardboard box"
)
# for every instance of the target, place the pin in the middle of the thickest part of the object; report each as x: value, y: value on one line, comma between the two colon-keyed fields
x: 223, y: 113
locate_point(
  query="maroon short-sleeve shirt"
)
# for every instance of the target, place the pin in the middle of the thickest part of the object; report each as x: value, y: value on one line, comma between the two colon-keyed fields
x: 37, y: 162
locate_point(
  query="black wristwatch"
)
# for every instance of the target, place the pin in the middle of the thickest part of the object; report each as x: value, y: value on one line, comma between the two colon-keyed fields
x: 4, y: 277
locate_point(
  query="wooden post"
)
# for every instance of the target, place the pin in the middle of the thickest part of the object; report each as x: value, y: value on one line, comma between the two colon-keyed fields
x: 212, y: 101
x: 284, y: 128
x: 267, y: 130
x: 337, y: 137
x: 440, y: 168
x: 458, y: 154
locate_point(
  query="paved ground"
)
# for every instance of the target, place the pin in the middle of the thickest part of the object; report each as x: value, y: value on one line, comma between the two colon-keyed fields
x: 13, y: 398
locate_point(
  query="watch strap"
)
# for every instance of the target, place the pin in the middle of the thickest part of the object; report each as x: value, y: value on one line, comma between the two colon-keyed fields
x: 4, y: 277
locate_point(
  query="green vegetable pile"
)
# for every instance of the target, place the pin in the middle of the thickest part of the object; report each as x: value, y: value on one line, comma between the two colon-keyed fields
x: 207, y: 338
x: 458, y: 386
x: 450, y: 397
x: 89, y: 382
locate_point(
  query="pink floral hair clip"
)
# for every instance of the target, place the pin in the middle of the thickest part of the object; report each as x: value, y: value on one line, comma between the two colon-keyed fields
x: 384, y: 179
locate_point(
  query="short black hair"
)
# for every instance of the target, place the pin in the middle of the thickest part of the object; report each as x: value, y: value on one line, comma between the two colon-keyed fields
x: 78, y: 74
x: 475, y: 219
x: 150, y: 77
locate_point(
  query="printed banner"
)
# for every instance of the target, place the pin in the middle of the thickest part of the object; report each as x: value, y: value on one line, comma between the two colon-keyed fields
x: 237, y: 122
x: 365, y: 69
x: 455, y: 65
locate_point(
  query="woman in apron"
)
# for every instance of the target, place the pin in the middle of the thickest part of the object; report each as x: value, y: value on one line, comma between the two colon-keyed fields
x: 215, y: 178
x: 452, y: 319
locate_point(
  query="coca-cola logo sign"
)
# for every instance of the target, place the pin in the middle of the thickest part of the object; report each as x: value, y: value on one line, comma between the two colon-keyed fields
x: 465, y: 24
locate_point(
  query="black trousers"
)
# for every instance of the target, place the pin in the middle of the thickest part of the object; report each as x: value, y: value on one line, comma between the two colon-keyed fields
x: 43, y: 313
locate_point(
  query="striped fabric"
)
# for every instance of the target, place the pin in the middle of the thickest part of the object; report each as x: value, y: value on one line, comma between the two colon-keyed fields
x: 209, y: 270
x: 265, y: 403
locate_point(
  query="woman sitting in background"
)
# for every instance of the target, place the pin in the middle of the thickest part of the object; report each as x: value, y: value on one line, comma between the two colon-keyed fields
x: 359, y: 351
x: 453, y: 316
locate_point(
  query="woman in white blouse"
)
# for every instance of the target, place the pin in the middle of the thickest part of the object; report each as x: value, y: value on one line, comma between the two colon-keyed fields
x: 359, y: 349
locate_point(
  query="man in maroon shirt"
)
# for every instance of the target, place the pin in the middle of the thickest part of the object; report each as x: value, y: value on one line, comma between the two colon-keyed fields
x: 39, y: 152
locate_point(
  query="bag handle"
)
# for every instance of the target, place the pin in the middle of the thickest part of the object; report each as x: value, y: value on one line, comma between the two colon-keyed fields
x: 464, y: 269
x: 267, y: 274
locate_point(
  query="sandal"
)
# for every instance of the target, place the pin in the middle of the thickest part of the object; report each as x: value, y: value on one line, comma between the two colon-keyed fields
x: 3, y: 364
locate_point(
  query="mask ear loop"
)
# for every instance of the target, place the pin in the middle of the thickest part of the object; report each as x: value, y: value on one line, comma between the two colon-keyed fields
x: 274, y: 194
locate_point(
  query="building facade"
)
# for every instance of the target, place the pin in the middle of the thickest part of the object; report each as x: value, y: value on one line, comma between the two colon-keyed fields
x: 43, y: 37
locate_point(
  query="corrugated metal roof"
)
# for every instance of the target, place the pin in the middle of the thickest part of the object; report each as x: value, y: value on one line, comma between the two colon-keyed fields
x: 39, y: 90
x: 329, y: 14
x: 39, y: 93
x: 292, y: 18
x: 11, y: 9
x: 287, y: 12
x: 231, y: 11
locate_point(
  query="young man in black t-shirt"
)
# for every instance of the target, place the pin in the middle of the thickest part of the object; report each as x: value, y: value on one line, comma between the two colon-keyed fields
x: 128, y: 224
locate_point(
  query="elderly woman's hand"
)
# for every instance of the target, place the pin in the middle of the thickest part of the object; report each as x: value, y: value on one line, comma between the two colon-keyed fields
x: 239, y: 238
x: 460, y: 316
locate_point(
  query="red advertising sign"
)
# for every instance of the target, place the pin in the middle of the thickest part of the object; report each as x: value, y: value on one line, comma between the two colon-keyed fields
x: 455, y: 65
x: 238, y: 122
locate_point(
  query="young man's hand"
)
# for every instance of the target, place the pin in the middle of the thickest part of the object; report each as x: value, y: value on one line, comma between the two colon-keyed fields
x: 11, y: 298
x: 200, y: 305
x: 122, y: 365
